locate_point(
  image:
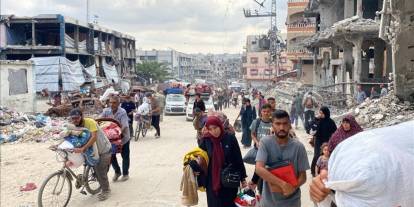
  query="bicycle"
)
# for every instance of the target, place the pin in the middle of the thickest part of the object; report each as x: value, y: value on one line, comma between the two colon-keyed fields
x: 63, y: 182
x: 143, y: 125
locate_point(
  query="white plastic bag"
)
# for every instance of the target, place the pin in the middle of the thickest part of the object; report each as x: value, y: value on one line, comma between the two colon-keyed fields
x: 76, y: 159
x: 374, y: 168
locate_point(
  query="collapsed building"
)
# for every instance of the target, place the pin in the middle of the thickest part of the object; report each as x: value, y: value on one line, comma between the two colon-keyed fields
x: 102, y: 52
x: 347, y: 48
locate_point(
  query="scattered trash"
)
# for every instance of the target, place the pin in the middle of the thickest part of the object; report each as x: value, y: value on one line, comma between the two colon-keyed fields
x: 18, y: 127
x: 28, y: 187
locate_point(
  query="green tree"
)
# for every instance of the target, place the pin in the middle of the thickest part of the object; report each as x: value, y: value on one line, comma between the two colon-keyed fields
x: 150, y: 69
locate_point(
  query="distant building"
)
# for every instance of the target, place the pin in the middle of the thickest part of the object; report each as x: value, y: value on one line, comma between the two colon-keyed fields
x: 22, y: 38
x: 189, y: 67
x: 255, y: 65
x: 170, y: 58
x: 300, y: 28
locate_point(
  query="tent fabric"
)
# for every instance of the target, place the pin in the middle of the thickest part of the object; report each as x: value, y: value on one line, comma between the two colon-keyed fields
x: 69, y: 41
x: 72, y: 74
x: 90, y: 73
x: 110, y: 72
x: 48, y: 71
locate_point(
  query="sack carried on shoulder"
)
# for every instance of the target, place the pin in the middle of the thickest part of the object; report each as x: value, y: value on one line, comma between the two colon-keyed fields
x: 250, y: 157
x: 230, y: 177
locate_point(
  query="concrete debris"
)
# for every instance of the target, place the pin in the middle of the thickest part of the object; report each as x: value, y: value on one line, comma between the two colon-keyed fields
x: 382, y: 112
x: 356, y: 25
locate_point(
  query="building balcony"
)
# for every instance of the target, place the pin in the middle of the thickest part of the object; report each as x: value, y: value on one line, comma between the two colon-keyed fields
x: 298, y: 3
x: 302, y: 27
x: 295, y: 53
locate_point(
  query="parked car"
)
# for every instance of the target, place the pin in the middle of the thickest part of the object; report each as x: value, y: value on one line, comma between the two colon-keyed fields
x: 175, y: 104
x: 208, y: 101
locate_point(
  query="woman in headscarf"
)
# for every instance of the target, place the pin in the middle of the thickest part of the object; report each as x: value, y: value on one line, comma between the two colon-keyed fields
x: 349, y: 127
x: 325, y: 127
x: 222, y: 149
x: 248, y: 114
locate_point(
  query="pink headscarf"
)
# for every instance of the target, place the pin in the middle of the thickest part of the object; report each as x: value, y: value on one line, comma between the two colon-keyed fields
x: 340, y: 134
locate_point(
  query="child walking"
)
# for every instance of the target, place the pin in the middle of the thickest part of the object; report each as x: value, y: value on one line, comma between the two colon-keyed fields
x: 322, y: 163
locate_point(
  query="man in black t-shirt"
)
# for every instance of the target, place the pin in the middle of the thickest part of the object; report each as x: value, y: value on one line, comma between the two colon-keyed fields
x: 199, y: 103
x: 129, y: 106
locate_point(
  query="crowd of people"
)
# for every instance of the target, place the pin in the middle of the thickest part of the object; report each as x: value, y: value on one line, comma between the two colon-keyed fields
x: 269, y: 130
x: 119, y: 110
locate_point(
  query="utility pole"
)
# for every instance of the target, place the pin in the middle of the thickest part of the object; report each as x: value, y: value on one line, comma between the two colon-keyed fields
x: 87, y: 11
x: 273, y: 60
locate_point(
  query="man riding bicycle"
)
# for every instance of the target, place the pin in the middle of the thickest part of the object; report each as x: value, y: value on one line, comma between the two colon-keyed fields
x: 144, y: 110
x: 103, y: 145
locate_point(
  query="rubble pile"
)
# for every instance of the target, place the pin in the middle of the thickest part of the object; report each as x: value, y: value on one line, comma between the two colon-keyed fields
x: 283, y: 92
x: 18, y: 127
x: 386, y: 111
x: 356, y: 24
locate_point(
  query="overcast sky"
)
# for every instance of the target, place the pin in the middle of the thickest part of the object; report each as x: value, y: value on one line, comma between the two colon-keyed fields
x: 191, y: 26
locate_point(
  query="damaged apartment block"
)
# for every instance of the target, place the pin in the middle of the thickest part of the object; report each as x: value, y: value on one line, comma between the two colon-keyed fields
x: 22, y: 38
x: 348, y: 50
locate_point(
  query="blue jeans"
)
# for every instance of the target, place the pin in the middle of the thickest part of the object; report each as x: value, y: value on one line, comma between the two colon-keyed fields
x: 125, y: 160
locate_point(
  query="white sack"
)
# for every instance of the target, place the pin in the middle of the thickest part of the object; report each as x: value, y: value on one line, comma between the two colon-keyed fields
x: 374, y: 168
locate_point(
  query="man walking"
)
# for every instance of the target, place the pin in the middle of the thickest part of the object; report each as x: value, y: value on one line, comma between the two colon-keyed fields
x: 272, y: 102
x: 129, y: 107
x: 274, y: 149
x: 360, y: 95
x: 260, y: 128
x: 297, y: 110
x: 103, y: 145
x: 309, y: 104
x: 384, y: 91
x: 199, y: 103
x: 156, y: 113
x: 115, y: 111
x: 220, y: 101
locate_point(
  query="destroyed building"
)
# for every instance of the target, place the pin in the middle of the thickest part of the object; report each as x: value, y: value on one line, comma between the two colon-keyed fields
x: 22, y: 38
x: 347, y: 49
x: 299, y: 28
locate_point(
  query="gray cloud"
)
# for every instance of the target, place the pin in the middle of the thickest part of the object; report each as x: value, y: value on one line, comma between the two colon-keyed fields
x: 187, y: 25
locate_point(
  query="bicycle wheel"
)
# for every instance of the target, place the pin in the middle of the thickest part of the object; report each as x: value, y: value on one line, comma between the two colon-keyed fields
x: 91, y: 181
x: 137, y: 131
x: 56, y: 185
x: 144, y: 131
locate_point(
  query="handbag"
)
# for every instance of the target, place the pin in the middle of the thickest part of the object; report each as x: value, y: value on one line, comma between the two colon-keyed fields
x: 250, y: 157
x: 237, y: 126
x: 230, y: 177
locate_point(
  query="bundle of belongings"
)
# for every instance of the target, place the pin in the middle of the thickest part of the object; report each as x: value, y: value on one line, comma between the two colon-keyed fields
x: 113, y: 132
x: 247, y: 198
x: 76, y: 137
x: 195, y: 162
x: 373, y: 168
x: 223, y: 118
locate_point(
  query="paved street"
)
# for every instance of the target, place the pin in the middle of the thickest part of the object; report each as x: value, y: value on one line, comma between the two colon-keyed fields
x: 155, y: 174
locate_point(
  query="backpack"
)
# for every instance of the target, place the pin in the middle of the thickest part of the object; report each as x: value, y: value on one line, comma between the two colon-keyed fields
x: 258, y: 121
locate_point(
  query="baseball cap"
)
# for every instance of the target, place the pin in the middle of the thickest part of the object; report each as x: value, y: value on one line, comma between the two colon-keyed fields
x: 75, y: 112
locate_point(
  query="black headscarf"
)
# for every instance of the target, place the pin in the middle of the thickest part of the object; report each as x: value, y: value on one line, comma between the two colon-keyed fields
x: 326, y: 126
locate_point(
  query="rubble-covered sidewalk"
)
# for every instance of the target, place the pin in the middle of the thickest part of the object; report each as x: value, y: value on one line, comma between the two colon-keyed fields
x: 16, y: 127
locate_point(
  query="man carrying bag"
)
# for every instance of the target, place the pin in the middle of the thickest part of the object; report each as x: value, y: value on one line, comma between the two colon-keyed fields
x: 279, y: 190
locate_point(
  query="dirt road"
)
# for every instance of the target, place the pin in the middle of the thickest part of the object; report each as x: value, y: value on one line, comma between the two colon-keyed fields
x: 155, y: 173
